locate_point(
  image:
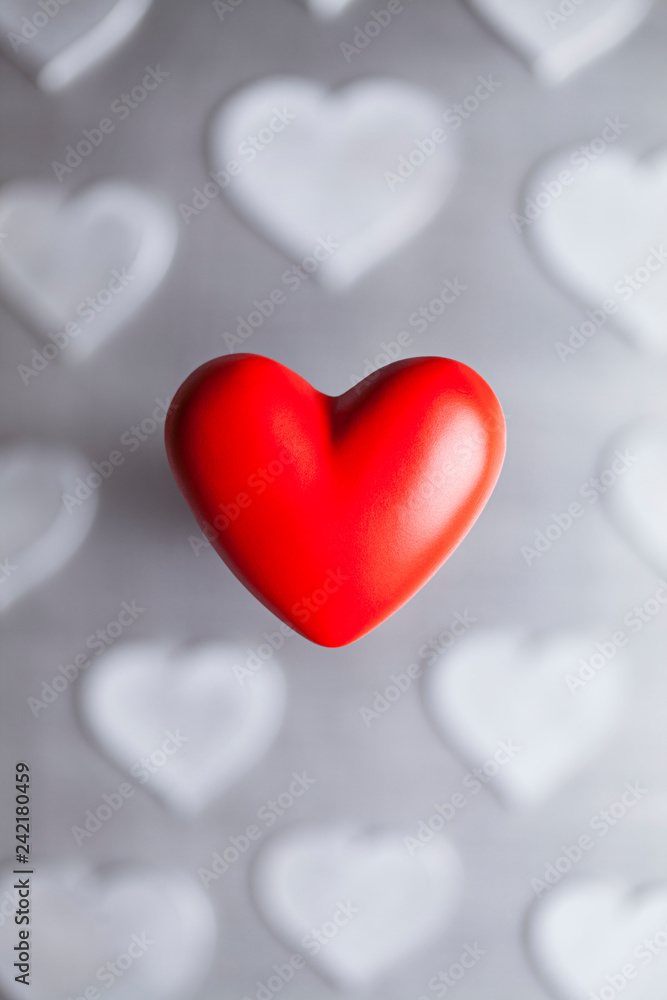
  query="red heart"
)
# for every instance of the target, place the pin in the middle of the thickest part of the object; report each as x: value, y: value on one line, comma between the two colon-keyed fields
x: 334, y: 510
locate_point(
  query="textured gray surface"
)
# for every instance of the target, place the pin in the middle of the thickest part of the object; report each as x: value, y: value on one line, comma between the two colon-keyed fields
x: 560, y: 417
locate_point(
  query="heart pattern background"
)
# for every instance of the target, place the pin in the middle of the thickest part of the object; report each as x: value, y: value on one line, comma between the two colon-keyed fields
x: 558, y: 40
x: 593, y: 935
x: 501, y: 690
x: 373, y: 902
x: 77, y: 39
x: 84, y: 266
x: 380, y: 756
x: 327, y: 8
x: 602, y: 235
x: 132, y: 930
x: 37, y: 534
x: 638, y: 506
x: 215, y: 724
x: 329, y: 175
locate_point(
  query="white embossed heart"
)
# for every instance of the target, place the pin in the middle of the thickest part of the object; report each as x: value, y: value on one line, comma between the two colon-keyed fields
x: 37, y: 533
x: 593, y: 938
x: 527, y: 713
x: 603, y: 235
x: 355, y: 903
x: 556, y: 41
x: 136, y: 930
x: 186, y: 723
x: 637, y: 503
x: 338, y: 180
x: 75, y: 270
x: 54, y: 41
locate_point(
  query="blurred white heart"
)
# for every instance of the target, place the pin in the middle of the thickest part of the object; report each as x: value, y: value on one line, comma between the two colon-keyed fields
x: 355, y: 903
x: 326, y: 8
x: 337, y: 180
x: 603, y: 236
x: 145, y: 932
x: 519, y: 711
x: 559, y: 37
x: 593, y: 938
x: 37, y: 534
x: 637, y: 504
x: 181, y: 721
x: 75, y: 270
x: 55, y: 41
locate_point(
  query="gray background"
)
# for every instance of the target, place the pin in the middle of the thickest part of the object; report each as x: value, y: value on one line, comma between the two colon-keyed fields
x: 560, y: 417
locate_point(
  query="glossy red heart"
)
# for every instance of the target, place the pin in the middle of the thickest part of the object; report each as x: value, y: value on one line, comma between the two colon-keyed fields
x: 334, y: 510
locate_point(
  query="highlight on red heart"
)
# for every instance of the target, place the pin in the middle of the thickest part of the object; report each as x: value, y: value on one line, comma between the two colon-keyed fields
x: 335, y: 510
